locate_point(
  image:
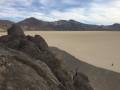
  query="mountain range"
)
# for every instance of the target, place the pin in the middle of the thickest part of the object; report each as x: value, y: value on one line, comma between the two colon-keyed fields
x: 34, y: 24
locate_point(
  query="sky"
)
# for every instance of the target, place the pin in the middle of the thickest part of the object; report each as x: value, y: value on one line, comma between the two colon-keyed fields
x: 102, y: 12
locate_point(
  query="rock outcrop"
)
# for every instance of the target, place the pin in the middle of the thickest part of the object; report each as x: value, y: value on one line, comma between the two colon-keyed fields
x: 15, y: 30
x: 26, y: 63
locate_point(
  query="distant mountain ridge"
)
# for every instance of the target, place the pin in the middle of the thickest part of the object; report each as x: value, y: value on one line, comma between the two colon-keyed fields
x: 5, y: 24
x: 34, y: 24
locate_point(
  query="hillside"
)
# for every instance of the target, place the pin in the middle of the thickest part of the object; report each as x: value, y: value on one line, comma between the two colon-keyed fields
x: 101, y: 79
x: 34, y: 24
x: 61, y: 25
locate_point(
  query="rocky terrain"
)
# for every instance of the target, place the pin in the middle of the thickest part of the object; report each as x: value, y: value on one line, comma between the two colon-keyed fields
x: 27, y: 63
x: 101, y: 79
x: 33, y: 24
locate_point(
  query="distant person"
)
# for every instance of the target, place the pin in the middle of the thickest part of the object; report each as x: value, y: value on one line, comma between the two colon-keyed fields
x: 112, y: 64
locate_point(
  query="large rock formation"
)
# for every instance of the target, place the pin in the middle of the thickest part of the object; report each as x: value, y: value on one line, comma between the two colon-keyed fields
x: 101, y: 79
x: 26, y: 63
x: 15, y: 30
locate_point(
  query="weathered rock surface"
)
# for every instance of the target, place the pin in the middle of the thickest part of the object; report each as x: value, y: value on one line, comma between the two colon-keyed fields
x: 101, y: 79
x: 15, y: 30
x: 26, y: 63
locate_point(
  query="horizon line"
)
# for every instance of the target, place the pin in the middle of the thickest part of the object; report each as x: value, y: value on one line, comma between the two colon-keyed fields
x: 17, y: 21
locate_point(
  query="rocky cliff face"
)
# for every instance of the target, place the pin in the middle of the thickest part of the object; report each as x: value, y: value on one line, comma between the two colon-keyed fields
x: 101, y: 79
x: 26, y: 63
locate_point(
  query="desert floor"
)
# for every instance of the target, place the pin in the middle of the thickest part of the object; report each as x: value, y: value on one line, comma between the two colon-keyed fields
x: 101, y: 49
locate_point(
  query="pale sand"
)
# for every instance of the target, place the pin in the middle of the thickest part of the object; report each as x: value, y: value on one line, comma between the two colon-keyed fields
x: 97, y: 48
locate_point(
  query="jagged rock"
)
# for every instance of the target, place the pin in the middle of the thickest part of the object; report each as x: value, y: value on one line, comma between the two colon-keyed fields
x: 81, y: 82
x: 15, y: 30
x: 29, y: 48
x: 39, y: 41
x: 19, y: 72
x: 31, y: 60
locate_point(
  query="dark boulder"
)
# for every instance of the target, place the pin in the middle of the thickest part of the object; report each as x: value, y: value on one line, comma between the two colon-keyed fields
x: 39, y: 41
x: 29, y: 48
x: 15, y: 30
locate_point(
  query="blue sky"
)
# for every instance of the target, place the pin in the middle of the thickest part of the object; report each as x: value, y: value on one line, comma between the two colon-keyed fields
x: 86, y: 11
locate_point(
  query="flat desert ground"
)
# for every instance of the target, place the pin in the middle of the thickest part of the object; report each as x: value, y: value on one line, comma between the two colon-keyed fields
x: 99, y: 48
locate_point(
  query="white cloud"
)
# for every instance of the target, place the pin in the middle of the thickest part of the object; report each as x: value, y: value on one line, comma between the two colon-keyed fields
x: 46, y: 2
x: 70, y: 2
x: 2, y: 1
x: 40, y: 16
x: 104, y: 13
x: 13, y: 13
x: 13, y: 2
x: 25, y: 2
x: 95, y: 14
x: 76, y: 14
